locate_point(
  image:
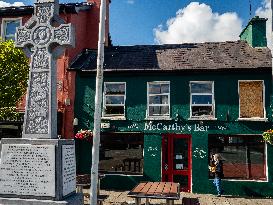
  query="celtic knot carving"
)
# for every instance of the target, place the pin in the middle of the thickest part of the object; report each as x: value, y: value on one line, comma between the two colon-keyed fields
x: 41, y: 35
x: 46, y: 40
x: 62, y: 34
x: 23, y: 35
x: 40, y: 59
x: 37, y: 121
x: 44, y: 13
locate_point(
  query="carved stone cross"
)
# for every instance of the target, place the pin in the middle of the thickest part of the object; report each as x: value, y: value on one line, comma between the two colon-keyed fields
x: 45, y: 38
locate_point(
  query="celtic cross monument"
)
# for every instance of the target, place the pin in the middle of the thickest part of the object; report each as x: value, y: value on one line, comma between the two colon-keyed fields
x: 46, y: 41
x: 39, y: 168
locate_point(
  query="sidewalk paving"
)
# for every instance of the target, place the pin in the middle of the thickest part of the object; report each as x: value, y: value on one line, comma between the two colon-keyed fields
x: 120, y: 198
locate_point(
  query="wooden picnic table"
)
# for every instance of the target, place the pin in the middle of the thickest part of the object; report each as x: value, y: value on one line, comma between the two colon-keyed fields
x: 156, y: 190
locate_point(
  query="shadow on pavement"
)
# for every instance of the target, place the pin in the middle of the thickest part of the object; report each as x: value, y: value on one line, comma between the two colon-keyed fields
x: 245, y: 197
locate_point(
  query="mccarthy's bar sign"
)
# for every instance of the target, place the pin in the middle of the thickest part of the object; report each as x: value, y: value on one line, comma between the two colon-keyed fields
x: 150, y: 126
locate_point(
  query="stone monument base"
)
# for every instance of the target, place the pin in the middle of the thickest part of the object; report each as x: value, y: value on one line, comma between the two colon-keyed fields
x: 41, y: 169
x: 75, y: 199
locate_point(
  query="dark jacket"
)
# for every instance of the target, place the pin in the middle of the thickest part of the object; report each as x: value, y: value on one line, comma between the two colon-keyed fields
x: 219, y: 170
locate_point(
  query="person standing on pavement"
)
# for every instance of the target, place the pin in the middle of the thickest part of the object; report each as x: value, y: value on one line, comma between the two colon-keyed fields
x: 217, y: 170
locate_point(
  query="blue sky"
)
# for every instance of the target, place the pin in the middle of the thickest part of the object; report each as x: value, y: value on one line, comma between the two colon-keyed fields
x: 133, y: 23
x: 145, y: 21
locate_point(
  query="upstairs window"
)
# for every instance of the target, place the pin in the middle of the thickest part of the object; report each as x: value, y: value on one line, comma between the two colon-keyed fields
x: 114, y: 99
x: 9, y: 28
x: 202, y: 99
x: 251, y: 99
x: 158, y: 99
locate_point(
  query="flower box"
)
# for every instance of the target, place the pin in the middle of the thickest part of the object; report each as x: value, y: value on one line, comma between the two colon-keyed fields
x: 268, y: 136
x: 84, y: 135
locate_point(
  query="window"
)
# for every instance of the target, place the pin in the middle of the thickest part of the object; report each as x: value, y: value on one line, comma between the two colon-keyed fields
x: 121, y: 153
x: 114, y: 99
x: 202, y: 99
x: 243, y: 156
x: 9, y: 28
x: 158, y: 99
x: 251, y: 99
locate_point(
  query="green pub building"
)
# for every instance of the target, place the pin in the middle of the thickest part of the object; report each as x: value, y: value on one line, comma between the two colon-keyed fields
x: 167, y: 108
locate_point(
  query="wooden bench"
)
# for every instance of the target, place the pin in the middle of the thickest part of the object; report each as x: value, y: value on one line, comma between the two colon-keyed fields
x: 100, y: 198
x: 169, y: 191
x: 132, y: 164
x: 84, y: 180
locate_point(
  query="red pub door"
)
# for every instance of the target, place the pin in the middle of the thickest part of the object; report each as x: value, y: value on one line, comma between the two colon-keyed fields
x: 176, y: 160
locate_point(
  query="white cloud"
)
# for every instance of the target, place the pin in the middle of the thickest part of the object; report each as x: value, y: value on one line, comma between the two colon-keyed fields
x: 130, y: 1
x: 265, y: 12
x: 197, y: 23
x: 5, y: 4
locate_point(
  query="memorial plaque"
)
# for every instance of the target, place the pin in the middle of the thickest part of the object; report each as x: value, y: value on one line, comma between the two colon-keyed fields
x: 27, y: 170
x: 69, y: 169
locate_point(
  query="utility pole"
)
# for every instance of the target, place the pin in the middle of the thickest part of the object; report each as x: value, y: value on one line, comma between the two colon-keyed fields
x: 98, y: 99
x: 250, y: 9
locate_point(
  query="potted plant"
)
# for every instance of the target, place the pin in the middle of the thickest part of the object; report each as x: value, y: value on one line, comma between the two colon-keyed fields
x: 268, y: 136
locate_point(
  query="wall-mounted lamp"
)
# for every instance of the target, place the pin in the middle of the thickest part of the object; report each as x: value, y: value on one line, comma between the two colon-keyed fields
x: 75, y: 121
x: 67, y: 101
x: 60, y: 85
x: 176, y: 117
x: 227, y: 116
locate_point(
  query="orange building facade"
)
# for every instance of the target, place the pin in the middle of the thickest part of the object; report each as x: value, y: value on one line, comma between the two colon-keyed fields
x: 85, y: 19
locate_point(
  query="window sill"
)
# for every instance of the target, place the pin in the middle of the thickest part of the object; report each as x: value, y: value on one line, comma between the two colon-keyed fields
x: 242, y: 180
x: 123, y: 174
x: 203, y: 118
x: 158, y: 118
x: 114, y: 118
x: 253, y: 119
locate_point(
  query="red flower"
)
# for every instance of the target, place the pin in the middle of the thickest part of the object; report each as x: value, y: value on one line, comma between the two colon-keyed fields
x: 84, y: 135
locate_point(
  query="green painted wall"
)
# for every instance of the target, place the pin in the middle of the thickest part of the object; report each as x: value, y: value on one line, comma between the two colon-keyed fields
x: 227, y: 112
x: 247, y: 35
x: 255, y: 33
x: 259, y: 34
x: 152, y: 159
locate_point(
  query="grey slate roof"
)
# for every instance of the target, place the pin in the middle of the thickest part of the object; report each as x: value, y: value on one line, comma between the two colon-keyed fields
x: 200, y: 56
x: 28, y: 10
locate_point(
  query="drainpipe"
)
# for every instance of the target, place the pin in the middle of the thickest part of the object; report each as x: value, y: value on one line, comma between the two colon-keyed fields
x: 271, y: 36
x: 98, y: 100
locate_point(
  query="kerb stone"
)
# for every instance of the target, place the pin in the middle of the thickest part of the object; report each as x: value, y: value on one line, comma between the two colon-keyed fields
x: 76, y: 199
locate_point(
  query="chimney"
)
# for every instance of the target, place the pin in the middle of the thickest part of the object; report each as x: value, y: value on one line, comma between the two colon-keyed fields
x: 95, y: 14
x: 255, y: 32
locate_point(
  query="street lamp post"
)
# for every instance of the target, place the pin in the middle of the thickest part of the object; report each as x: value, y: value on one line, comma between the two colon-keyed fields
x: 98, y: 100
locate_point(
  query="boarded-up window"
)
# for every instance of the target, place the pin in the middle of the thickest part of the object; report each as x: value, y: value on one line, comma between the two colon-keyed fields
x: 251, y: 99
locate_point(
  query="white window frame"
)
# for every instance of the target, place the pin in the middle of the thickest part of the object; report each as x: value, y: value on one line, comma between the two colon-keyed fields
x: 203, y: 117
x: 252, y: 118
x: 3, y: 26
x: 113, y: 116
x: 158, y: 117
